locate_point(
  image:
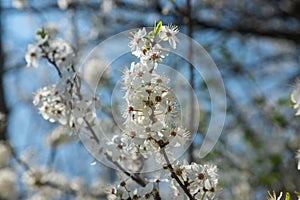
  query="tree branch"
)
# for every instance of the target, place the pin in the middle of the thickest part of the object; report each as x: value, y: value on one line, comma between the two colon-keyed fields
x: 134, y: 177
x: 174, y: 175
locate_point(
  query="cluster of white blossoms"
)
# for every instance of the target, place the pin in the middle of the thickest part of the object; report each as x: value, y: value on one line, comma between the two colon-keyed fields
x: 153, y: 125
x: 51, y: 104
x: 202, y: 179
x: 152, y: 117
x: 57, y: 51
x: 61, y: 102
x: 153, y: 111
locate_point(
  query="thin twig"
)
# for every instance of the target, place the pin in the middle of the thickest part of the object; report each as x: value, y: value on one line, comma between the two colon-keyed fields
x: 134, y: 177
x: 19, y: 160
x: 174, y: 175
x: 94, y: 136
x: 52, y: 62
x: 171, y: 169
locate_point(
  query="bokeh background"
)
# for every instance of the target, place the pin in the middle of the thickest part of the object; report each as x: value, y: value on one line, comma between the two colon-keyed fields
x: 255, y: 45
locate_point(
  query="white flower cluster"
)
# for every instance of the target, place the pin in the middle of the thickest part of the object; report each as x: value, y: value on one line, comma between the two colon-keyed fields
x: 152, y: 127
x: 201, y: 179
x: 57, y: 51
x: 51, y: 104
x: 153, y: 111
x: 152, y: 124
x: 61, y: 102
x: 128, y: 191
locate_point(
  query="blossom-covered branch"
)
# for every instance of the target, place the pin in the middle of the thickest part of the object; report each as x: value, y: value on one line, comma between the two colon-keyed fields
x: 152, y: 116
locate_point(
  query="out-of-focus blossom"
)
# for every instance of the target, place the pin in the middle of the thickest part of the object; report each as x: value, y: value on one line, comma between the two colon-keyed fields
x: 7, y: 184
x: 4, y: 154
x: 32, y: 55
x: 60, y: 135
x: 298, y: 159
x: 64, y: 4
x: 94, y: 70
x: 295, y: 98
x: 19, y: 4
x: 51, y: 29
x: 34, y: 178
x: 107, y: 6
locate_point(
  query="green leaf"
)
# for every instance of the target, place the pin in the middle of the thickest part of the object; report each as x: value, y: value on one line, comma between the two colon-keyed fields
x: 287, y: 196
x: 42, y: 33
x: 157, y: 28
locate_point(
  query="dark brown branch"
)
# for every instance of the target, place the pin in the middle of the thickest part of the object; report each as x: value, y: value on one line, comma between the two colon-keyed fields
x: 51, y: 61
x: 191, y: 71
x: 3, y: 107
x: 134, y: 177
x: 174, y: 175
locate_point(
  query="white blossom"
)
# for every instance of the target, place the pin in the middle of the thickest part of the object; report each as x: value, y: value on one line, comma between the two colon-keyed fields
x: 169, y: 33
x: 295, y: 98
x: 137, y: 42
x: 32, y: 55
x: 61, y: 53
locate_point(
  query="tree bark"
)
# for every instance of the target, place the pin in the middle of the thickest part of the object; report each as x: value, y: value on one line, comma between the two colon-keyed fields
x: 3, y: 107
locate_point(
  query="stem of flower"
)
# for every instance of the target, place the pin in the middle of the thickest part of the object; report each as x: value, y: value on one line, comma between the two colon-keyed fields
x: 52, y: 62
x: 203, y: 196
x: 174, y: 175
x: 134, y: 177
x: 94, y: 136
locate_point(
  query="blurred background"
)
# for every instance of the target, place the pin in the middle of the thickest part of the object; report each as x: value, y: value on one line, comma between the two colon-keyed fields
x: 255, y: 45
